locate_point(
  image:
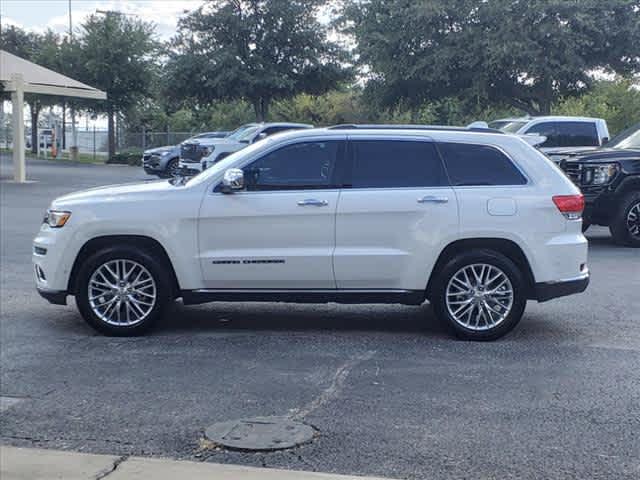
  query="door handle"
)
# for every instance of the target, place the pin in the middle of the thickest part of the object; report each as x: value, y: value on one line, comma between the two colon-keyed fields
x: 312, y: 202
x: 433, y: 199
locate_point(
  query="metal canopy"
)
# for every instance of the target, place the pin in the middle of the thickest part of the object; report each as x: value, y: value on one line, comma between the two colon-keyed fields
x: 19, y: 76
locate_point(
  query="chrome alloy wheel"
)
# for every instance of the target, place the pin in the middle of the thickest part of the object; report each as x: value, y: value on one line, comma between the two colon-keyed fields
x: 122, y: 292
x: 633, y: 220
x: 479, y: 297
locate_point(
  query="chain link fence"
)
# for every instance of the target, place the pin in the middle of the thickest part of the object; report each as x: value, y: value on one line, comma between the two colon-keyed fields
x: 93, y: 144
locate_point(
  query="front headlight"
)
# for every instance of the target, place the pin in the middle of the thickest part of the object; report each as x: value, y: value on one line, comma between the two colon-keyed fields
x: 208, y: 151
x: 56, y: 218
x: 599, y: 174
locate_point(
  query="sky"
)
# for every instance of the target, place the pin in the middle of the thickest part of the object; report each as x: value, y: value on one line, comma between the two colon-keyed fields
x: 39, y: 15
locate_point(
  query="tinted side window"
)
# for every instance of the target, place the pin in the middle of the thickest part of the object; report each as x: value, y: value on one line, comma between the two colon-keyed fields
x: 396, y: 163
x: 549, y: 130
x: 298, y: 166
x: 578, y: 134
x: 479, y: 165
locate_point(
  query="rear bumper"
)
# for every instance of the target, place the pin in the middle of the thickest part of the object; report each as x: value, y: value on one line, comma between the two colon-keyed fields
x: 56, y: 297
x: 548, y: 290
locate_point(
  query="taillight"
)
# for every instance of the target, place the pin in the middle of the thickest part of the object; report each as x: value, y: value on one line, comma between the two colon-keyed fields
x: 571, y: 206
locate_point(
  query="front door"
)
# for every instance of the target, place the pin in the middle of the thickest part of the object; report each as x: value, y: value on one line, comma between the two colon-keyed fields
x: 279, y: 233
x: 395, y: 217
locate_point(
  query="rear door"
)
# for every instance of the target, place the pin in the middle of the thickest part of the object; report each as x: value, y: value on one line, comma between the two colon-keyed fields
x: 393, y: 215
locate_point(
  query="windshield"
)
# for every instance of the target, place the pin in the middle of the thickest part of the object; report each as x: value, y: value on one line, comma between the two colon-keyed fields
x: 227, y: 162
x: 239, y: 132
x: 508, y: 126
x: 247, y: 134
x: 629, y: 138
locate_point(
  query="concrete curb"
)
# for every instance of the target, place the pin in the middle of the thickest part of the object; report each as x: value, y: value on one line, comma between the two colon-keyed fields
x: 38, y: 464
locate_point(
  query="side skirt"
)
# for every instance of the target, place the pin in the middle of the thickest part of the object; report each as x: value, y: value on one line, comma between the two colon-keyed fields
x: 405, y: 297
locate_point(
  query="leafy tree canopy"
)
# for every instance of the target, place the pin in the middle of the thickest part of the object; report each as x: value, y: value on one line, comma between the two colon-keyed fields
x: 527, y: 53
x: 258, y: 50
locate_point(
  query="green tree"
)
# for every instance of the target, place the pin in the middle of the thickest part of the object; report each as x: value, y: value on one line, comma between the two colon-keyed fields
x: 527, y: 53
x: 257, y: 50
x: 117, y: 56
x: 618, y: 102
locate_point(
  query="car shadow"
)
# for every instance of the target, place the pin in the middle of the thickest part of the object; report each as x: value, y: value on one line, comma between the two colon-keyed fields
x: 280, y: 317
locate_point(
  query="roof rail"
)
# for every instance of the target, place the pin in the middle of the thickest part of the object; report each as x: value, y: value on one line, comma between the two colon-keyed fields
x: 356, y: 126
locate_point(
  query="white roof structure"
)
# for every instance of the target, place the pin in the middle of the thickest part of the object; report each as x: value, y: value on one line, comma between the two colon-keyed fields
x: 19, y: 76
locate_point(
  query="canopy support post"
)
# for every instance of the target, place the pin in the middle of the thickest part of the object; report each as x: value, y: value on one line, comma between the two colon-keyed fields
x: 17, y: 99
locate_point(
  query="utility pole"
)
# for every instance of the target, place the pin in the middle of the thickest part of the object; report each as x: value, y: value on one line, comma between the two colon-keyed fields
x: 73, y: 149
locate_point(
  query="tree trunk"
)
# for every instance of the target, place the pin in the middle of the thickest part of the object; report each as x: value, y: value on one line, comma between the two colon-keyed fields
x: 545, y: 106
x: 261, y: 109
x: 34, y: 108
x: 546, y: 99
x: 111, y: 134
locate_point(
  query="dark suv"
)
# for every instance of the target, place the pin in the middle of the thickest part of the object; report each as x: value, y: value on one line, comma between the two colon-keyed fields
x: 610, y: 181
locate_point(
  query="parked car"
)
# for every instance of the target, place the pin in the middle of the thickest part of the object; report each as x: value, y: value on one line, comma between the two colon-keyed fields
x: 562, y: 133
x: 162, y: 161
x: 165, y: 161
x: 245, y: 135
x: 610, y: 181
x: 476, y: 223
x: 45, y: 136
x: 194, y: 148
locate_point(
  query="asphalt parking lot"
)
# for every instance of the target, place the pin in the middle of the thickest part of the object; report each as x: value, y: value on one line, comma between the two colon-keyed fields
x: 390, y: 393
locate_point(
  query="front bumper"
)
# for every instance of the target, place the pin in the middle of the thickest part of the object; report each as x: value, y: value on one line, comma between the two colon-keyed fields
x: 191, y: 167
x: 55, y: 297
x: 548, y: 290
x: 154, y: 164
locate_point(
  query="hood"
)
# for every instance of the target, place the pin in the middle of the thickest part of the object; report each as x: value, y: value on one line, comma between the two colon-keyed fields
x: 113, y: 193
x: 568, y: 150
x: 161, y: 149
x: 204, y: 141
x: 604, y: 155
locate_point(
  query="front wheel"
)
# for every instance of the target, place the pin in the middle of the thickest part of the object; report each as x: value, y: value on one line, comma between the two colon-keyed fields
x: 172, y: 169
x: 625, y: 227
x: 480, y: 294
x: 122, y: 291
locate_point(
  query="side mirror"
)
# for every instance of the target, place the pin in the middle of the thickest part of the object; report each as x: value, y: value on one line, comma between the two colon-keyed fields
x: 232, y: 181
x: 605, y: 140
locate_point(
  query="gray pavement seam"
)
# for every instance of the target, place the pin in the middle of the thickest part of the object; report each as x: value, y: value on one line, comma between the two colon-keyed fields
x: 105, y: 473
x: 333, y: 390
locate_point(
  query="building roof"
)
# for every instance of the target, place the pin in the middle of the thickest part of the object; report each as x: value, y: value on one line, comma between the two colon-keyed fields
x: 38, y: 79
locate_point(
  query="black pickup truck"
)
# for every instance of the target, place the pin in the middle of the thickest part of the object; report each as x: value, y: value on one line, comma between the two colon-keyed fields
x: 609, y: 178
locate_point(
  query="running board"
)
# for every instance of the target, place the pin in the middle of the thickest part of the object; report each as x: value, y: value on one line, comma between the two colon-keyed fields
x: 405, y: 297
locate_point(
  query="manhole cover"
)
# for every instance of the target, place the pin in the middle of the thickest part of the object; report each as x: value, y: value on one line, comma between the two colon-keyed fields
x: 260, y: 433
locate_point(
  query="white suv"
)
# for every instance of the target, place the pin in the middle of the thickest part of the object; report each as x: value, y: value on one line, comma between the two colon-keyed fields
x: 476, y: 223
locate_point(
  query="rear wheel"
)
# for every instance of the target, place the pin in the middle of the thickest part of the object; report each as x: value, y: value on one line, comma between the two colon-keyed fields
x: 480, y: 294
x: 122, y: 291
x: 625, y: 227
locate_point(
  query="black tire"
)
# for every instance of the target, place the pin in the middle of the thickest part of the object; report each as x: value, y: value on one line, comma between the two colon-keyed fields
x: 172, y: 168
x: 623, y: 226
x: 488, y: 257
x: 156, y: 269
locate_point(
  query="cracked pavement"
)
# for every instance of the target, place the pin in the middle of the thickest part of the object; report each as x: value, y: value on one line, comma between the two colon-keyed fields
x: 558, y: 398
